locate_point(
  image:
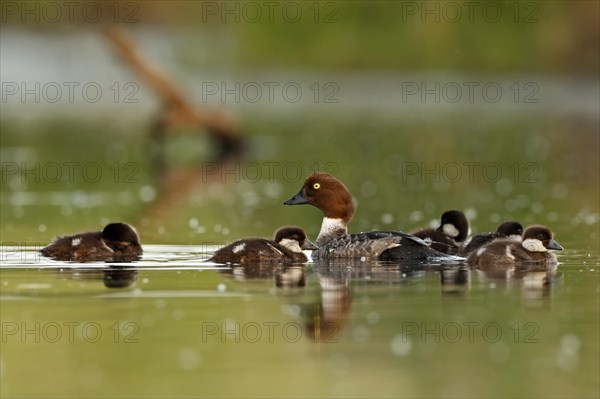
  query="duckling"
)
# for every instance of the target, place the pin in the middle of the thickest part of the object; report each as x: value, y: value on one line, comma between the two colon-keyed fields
x: 511, y: 229
x: 285, y: 248
x: 447, y: 238
x: 117, y: 242
x: 507, y: 254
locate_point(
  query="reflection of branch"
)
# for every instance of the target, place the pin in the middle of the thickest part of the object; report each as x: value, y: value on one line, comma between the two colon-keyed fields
x: 178, y: 112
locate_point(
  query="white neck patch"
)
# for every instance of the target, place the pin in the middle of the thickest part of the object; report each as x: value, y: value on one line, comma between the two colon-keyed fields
x: 330, y: 228
x: 534, y: 245
x: 290, y: 244
x: 450, y: 230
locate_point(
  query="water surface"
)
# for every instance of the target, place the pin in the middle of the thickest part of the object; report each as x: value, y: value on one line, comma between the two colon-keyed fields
x: 174, y: 325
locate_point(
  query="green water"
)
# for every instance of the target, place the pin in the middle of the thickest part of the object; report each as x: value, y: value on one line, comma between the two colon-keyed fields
x: 200, y: 333
x: 192, y: 331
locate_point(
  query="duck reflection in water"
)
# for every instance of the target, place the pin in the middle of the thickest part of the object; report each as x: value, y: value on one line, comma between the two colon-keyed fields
x: 112, y: 277
x: 455, y: 280
x: 325, y: 319
x: 284, y: 275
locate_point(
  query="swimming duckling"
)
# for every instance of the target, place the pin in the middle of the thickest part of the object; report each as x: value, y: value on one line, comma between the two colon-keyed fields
x: 117, y: 242
x: 286, y: 248
x: 448, y: 237
x: 511, y: 229
x: 507, y: 254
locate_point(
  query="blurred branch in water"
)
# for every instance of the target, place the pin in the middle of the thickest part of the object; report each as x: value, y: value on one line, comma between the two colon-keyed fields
x: 178, y: 112
x: 178, y: 116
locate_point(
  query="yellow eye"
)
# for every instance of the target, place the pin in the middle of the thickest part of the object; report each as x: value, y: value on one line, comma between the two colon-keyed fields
x: 316, y: 186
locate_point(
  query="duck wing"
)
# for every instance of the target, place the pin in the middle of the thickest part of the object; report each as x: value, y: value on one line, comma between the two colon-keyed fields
x: 391, y: 246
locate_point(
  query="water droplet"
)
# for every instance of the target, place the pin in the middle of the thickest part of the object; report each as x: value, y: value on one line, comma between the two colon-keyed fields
x: 560, y: 191
x: 373, y: 317
x: 147, y: 193
x: 495, y: 217
x: 360, y: 333
x: 504, y: 187
x: 400, y: 345
x: 387, y: 218
x: 221, y: 287
x: 415, y: 216
x: 471, y: 213
x: 189, y: 358
x: 178, y: 314
x: 537, y: 207
x: 193, y: 223
x: 368, y: 189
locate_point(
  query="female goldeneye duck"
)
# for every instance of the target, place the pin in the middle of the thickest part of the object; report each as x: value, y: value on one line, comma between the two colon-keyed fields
x: 453, y: 230
x: 117, y: 242
x: 505, y: 254
x: 333, y: 198
x: 512, y: 230
x: 286, y: 248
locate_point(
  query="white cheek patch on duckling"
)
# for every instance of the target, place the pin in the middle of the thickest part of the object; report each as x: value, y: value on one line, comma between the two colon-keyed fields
x: 468, y: 240
x: 292, y: 245
x: 515, y: 237
x: 509, y: 254
x: 275, y: 249
x: 106, y: 246
x: 76, y: 241
x: 239, y: 248
x: 534, y: 245
x: 450, y: 230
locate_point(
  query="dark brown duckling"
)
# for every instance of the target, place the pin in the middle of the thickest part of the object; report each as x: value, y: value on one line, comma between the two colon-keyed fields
x: 285, y: 248
x: 511, y: 229
x: 447, y: 238
x: 505, y: 254
x: 117, y: 242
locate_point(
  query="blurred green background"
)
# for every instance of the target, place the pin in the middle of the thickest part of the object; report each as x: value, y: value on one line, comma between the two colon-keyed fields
x: 370, y: 137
